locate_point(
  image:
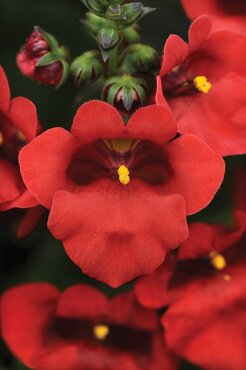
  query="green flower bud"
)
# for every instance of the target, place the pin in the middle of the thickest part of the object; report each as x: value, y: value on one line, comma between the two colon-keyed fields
x: 133, y: 13
x: 87, y: 67
x: 126, y: 93
x: 143, y: 58
x: 94, y: 23
x: 116, y: 12
x: 108, y: 38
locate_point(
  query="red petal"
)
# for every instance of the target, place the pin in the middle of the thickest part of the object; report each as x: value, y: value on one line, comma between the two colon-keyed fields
x: 11, y: 184
x: 4, y: 91
x: 174, y: 53
x: 199, y: 31
x: 44, y: 162
x: 198, y: 171
x: 97, y: 120
x: 207, y: 116
x: 30, y: 221
x: 151, y: 290
x: 82, y: 301
x: 23, y: 114
x: 153, y: 123
x: 26, y: 311
x: 112, y: 231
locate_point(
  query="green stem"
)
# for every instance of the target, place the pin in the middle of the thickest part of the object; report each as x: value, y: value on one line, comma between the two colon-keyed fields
x: 112, y: 63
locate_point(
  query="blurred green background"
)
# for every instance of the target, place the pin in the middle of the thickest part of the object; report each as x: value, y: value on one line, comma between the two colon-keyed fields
x: 40, y: 257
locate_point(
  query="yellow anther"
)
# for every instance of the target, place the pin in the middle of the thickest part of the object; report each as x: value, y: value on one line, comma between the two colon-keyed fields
x: 1, y: 138
x: 123, y: 173
x: 217, y: 260
x: 101, y: 331
x: 226, y: 277
x: 202, y: 84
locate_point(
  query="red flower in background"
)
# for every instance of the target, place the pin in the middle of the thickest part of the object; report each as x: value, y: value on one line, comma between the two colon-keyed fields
x: 106, y: 182
x: 18, y: 126
x: 205, y: 289
x: 82, y: 329
x: 204, y: 84
x: 224, y: 13
x: 42, y: 59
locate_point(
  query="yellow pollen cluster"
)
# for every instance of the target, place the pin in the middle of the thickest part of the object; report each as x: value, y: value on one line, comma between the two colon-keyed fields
x: 202, y: 84
x: 101, y: 331
x: 123, y: 173
x: 217, y: 260
x: 1, y: 138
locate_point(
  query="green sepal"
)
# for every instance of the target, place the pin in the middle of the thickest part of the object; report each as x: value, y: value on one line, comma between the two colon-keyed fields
x: 47, y: 59
x: 134, y: 12
x: 127, y: 97
x: 116, y: 12
x: 66, y: 68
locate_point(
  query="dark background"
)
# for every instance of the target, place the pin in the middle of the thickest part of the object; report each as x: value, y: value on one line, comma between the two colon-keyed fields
x: 40, y: 257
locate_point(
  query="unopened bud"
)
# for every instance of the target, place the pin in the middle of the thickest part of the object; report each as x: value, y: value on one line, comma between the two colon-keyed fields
x: 108, y: 38
x: 42, y: 59
x: 126, y: 93
x: 87, y: 67
x: 133, y: 13
x: 143, y: 58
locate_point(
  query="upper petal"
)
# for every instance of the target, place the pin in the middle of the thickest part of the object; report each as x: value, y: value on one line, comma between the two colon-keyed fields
x: 97, y: 120
x: 174, y: 53
x: 154, y: 123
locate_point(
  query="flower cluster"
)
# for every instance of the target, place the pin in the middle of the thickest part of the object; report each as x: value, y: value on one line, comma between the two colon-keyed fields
x: 118, y: 187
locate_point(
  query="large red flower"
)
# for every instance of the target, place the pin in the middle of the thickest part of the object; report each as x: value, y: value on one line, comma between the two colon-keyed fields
x: 82, y: 329
x: 204, y: 84
x: 205, y: 290
x: 106, y: 182
x: 18, y: 126
x: 224, y: 13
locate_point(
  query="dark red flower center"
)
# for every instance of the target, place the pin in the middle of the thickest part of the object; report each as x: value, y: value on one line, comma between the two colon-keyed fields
x: 11, y: 140
x: 110, y: 335
x: 235, y: 7
x: 179, y: 83
x: 120, y: 160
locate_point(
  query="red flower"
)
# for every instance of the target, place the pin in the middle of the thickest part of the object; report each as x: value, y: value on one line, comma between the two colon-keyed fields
x: 82, y: 329
x: 224, y: 13
x: 205, y: 322
x: 38, y: 60
x: 18, y: 126
x: 106, y: 182
x: 204, y: 86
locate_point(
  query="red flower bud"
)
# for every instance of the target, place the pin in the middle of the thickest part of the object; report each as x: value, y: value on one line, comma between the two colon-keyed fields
x: 31, y: 62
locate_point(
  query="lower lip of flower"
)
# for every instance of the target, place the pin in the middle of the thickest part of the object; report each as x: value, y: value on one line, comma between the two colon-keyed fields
x: 120, y: 160
x: 176, y: 84
x: 110, y: 335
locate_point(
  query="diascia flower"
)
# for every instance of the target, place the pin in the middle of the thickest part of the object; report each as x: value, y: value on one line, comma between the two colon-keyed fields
x: 205, y: 291
x: 18, y: 126
x: 224, y: 13
x: 119, y: 193
x: 82, y: 329
x: 204, y: 84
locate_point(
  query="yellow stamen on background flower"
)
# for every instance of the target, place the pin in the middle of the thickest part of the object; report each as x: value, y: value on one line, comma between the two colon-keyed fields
x: 123, y: 173
x: 1, y: 138
x: 202, y: 84
x: 226, y: 277
x: 217, y: 260
x: 101, y: 331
